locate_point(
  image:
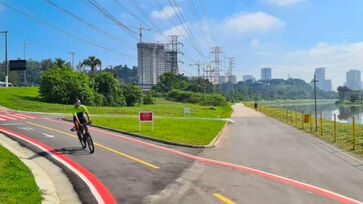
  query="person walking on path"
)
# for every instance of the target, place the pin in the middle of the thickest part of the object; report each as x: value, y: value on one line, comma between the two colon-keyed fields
x: 256, y: 105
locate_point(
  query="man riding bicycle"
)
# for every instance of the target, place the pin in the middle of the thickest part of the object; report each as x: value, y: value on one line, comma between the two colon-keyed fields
x: 78, y: 117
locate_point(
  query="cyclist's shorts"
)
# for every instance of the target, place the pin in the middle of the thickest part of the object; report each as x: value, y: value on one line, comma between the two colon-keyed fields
x: 81, y: 120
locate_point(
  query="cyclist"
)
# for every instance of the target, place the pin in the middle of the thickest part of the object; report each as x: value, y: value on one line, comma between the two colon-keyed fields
x: 78, y: 117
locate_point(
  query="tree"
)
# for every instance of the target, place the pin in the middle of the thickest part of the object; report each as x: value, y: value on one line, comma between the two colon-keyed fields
x: 107, y: 85
x: 59, y: 62
x: 46, y: 64
x: 343, y: 90
x: 133, y: 94
x: 92, y: 62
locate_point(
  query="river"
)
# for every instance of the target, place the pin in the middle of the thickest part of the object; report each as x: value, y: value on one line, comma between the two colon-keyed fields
x: 344, y: 112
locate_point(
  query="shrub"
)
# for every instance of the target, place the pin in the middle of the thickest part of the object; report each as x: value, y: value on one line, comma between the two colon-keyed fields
x: 133, y: 94
x: 63, y: 86
x: 148, y: 99
x: 107, y: 85
x: 191, y: 97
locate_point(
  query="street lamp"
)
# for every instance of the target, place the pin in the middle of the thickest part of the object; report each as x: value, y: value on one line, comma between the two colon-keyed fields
x: 24, y: 46
x: 316, y: 111
x: 6, y: 58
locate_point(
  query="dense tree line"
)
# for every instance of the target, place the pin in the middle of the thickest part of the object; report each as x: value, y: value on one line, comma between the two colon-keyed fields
x: 273, y: 90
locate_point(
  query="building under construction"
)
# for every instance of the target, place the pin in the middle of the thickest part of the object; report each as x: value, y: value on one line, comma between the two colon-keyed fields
x: 154, y: 60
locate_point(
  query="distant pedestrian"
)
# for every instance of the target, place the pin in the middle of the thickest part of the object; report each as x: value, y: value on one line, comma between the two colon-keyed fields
x: 256, y: 105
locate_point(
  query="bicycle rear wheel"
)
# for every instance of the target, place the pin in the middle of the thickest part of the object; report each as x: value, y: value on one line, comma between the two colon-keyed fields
x: 91, y: 147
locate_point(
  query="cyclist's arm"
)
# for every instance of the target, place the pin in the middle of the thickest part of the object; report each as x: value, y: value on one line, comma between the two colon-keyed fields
x: 88, y: 116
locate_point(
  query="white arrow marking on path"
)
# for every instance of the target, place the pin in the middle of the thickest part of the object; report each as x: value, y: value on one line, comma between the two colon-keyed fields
x: 26, y: 128
x: 51, y: 136
x: 13, y: 124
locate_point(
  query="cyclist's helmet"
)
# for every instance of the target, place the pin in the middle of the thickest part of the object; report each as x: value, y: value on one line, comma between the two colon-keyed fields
x: 77, y: 102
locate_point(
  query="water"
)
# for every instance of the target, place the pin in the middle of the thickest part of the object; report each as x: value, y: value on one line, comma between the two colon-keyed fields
x: 344, y: 112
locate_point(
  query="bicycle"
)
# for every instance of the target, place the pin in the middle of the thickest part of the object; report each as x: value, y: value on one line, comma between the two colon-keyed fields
x: 85, y: 138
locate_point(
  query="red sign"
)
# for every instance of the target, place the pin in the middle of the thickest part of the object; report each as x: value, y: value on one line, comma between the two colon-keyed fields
x: 146, y: 116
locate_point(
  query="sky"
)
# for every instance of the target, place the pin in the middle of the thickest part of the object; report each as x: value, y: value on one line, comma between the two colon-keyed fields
x: 293, y: 37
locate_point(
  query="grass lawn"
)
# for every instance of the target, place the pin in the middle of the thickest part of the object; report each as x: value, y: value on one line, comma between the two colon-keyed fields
x: 186, y: 131
x: 344, y: 131
x: 27, y: 99
x: 17, y: 184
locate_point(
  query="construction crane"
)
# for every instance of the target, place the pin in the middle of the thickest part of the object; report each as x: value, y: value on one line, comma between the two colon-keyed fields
x: 140, y: 28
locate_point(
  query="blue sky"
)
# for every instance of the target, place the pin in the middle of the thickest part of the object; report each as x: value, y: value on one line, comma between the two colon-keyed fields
x: 293, y: 37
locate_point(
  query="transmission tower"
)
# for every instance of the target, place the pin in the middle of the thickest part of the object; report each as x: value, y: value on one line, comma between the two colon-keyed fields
x: 230, y: 67
x: 216, y: 52
x: 209, y: 73
x: 173, y: 59
x: 198, y: 66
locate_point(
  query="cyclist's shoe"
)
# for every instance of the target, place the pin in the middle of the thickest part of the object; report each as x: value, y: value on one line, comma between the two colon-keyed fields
x: 89, y: 122
x: 73, y: 129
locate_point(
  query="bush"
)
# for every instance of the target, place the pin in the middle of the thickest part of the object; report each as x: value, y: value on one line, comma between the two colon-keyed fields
x: 147, y: 99
x: 107, y: 85
x: 63, y: 86
x: 133, y: 94
x: 191, y: 97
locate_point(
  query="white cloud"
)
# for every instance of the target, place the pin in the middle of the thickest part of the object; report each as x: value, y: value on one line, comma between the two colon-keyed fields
x: 176, y: 30
x: 284, y: 2
x: 253, y: 22
x: 167, y: 12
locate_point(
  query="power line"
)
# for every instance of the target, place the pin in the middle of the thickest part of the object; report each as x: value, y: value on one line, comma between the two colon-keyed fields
x: 204, y: 10
x: 63, y: 31
x: 113, y: 37
x: 108, y: 15
x: 198, y: 19
x: 186, y: 27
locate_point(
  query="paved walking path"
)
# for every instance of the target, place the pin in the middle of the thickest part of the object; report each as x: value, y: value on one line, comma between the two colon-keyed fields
x: 265, y: 144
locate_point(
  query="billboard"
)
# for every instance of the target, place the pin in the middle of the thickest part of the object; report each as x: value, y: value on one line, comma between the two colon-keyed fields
x: 17, y: 65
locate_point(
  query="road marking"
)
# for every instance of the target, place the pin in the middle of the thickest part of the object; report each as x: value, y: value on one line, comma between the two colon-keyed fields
x: 26, y: 128
x: 100, y: 192
x: 315, y: 189
x: 48, y: 135
x: 102, y: 146
x: 223, y: 198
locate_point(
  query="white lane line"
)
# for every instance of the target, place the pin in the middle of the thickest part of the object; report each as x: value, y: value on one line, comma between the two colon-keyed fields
x: 51, y: 136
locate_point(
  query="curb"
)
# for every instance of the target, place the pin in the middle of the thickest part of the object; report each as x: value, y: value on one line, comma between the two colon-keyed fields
x: 49, y: 178
x: 214, y: 142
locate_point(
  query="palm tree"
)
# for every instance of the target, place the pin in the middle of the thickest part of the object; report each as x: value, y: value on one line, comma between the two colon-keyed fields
x: 92, y: 62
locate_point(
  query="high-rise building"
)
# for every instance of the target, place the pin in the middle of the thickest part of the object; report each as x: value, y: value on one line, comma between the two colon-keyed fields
x: 232, y: 79
x: 353, y: 79
x: 153, y: 61
x: 266, y: 74
x: 322, y: 84
x: 248, y: 77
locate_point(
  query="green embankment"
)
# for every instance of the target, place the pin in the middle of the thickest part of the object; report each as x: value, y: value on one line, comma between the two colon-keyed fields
x: 344, y: 131
x: 17, y: 184
x: 27, y: 99
x: 186, y: 131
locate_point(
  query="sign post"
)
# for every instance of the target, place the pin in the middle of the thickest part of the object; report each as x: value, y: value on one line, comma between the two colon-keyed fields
x: 186, y: 112
x: 18, y: 65
x: 146, y: 117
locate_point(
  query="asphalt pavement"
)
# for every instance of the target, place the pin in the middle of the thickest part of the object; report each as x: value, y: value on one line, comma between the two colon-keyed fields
x: 140, y: 171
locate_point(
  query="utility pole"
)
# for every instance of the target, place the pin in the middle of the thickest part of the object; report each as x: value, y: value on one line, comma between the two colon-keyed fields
x: 198, y: 65
x: 174, y: 53
x: 216, y: 51
x: 229, y: 75
x: 316, y: 111
x: 6, y: 58
x: 72, y: 53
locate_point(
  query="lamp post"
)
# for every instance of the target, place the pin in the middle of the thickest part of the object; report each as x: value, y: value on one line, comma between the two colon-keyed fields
x: 316, y: 111
x: 6, y: 58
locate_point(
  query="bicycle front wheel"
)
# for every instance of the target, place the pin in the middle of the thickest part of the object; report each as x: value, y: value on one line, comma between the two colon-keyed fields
x: 91, y: 147
x: 81, y: 140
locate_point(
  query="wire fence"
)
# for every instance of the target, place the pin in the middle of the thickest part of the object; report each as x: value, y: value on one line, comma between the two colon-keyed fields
x: 348, y: 136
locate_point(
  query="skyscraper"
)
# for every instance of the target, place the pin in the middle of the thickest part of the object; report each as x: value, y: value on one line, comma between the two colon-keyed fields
x: 151, y: 63
x: 266, y: 74
x: 353, y: 79
x: 322, y: 84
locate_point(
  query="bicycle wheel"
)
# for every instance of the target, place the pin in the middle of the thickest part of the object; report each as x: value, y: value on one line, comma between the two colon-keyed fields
x: 91, y: 147
x: 81, y: 140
